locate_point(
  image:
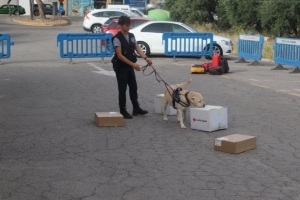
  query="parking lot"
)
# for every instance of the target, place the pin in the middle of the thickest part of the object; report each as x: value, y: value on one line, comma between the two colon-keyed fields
x: 50, y: 147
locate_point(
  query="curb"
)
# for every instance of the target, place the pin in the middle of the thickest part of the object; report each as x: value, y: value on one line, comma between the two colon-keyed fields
x: 40, y: 23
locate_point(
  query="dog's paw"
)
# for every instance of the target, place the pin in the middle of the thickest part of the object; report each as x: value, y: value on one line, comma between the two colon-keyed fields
x: 165, y: 118
x: 183, y: 126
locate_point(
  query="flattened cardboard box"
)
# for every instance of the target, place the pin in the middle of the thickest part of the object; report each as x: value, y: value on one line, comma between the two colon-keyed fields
x: 210, y: 118
x: 235, y: 143
x: 159, y: 105
x: 109, y: 119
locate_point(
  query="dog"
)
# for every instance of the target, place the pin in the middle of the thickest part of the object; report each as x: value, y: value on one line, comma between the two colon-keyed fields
x: 187, y: 98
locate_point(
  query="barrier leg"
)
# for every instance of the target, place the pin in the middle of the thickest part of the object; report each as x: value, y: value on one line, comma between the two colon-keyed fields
x: 0, y: 62
x: 71, y: 61
x: 203, y: 58
x: 242, y: 60
x: 174, y: 59
x: 255, y: 63
x: 279, y: 67
x: 102, y: 60
x: 296, y: 71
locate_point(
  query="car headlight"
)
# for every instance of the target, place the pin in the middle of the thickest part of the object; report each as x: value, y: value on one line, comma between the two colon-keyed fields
x: 228, y: 43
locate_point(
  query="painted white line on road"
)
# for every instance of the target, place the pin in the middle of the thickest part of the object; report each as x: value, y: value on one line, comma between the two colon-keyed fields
x: 294, y: 94
x: 278, y: 81
x: 283, y: 91
x: 178, y: 64
x: 263, y: 86
x: 102, y: 71
x: 253, y: 80
x: 226, y: 77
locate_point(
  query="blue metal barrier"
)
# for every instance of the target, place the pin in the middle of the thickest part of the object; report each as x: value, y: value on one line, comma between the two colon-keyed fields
x: 85, y: 45
x: 188, y: 44
x: 250, y: 46
x: 287, y: 52
x: 5, y: 42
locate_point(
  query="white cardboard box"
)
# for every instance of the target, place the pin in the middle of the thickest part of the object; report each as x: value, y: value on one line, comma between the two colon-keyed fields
x: 159, y: 105
x: 210, y: 118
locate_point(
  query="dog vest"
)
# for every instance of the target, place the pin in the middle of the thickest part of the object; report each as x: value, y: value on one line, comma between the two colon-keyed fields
x: 176, y: 98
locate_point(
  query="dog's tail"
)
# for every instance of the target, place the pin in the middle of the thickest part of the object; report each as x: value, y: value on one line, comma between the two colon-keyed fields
x: 184, y: 84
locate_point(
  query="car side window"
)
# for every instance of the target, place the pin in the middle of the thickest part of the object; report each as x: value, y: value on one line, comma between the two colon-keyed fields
x: 4, y: 7
x: 98, y: 14
x: 117, y: 13
x: 155, y: 28
x: 48, y: 6
x: 107, y: 14
x: 178, y: 28
x: 101, y: 14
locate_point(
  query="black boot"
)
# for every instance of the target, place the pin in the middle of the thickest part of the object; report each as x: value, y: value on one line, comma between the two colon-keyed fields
x: 138, y: 111
x: 125, y: 114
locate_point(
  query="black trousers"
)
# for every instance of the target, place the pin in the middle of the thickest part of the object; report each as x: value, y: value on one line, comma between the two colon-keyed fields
x: 126, y: 76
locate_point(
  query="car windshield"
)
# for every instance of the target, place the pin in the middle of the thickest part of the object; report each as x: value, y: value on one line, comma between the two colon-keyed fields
x: 110, y: 20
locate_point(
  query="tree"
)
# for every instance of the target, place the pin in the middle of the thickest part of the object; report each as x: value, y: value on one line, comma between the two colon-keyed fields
x: 200, y: 11
x: 221, y: 23
x: 243, y: 14
x: 9, y: 10
x: 281, y: 18
x: 41, y: 10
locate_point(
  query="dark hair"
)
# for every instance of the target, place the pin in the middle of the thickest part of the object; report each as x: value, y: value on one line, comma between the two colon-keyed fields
x: 124, y: 20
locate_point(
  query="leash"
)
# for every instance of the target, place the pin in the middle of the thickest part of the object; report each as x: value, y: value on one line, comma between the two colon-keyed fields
x: 176, y: 91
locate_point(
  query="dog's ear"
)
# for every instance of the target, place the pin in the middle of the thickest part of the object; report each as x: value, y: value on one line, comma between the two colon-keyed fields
x: 193, y: 98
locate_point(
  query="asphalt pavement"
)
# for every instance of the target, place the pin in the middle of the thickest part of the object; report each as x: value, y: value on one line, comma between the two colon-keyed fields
x: 50, y: 147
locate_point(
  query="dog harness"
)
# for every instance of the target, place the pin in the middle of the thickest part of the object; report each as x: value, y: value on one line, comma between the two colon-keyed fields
x: 176, y: 98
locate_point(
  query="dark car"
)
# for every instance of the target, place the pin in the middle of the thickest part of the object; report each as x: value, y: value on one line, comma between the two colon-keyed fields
x: 15, y: 9
x: 47, y: 9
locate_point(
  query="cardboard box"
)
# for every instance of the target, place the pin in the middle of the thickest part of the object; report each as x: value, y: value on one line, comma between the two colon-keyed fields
x: 109, y: 119
x: 235, y: 143
x: 159, y: 105
x: 210, y: 118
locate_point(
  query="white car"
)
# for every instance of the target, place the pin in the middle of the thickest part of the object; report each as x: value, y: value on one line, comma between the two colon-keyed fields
x: 94, y: 19
x: 149, y: 37
x: 138, y: 12
x: 127, y: 8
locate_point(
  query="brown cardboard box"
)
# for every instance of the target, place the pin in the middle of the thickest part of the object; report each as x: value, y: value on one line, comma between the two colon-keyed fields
x: 109, y: 119
x: 235, y: 143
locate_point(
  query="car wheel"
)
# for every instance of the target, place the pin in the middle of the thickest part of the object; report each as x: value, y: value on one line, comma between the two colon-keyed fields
x: 217, y: 50
x: 16, y: 12
x: 96, y: 28
x: 145, y: 48
x: 36, y: 13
